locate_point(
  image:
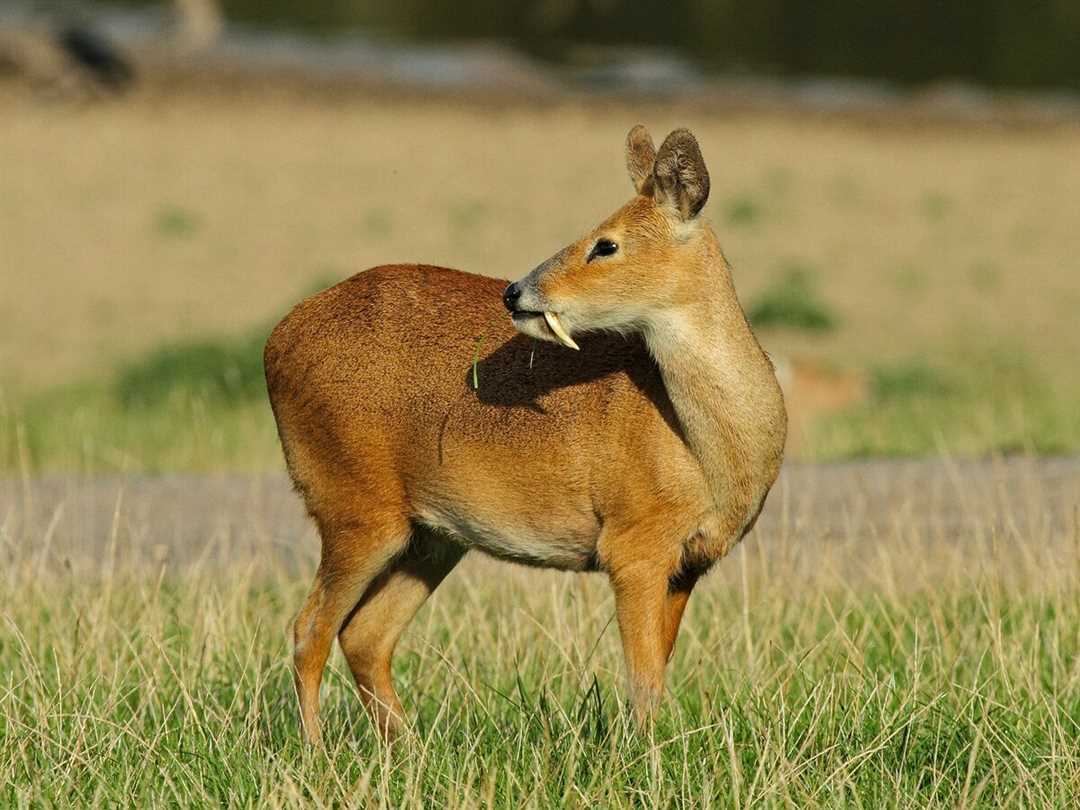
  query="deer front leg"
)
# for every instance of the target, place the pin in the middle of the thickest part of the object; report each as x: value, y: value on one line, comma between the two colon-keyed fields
x: 642, y: 610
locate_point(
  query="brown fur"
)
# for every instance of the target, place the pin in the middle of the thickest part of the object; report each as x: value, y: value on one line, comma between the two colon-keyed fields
x: 647, y: 454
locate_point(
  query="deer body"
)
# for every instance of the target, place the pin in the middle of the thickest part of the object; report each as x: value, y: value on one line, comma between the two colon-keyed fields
x: 419, y: 421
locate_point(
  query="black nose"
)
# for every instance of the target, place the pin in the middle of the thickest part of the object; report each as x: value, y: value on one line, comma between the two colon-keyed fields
x: 511, y: 296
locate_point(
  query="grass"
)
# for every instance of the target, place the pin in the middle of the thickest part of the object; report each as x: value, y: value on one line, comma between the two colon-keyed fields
x: 194, y: 406
x: 163, y: 413
x: 85, y: 428
x: 906, y: 380
x: 997, y: 403
x: 742, y: 210
x: 792, y: 302
x: 889, y: 655
x: 201, y: 406
x: 174, y: 221
x: 817, y: 668
x: 228, y: 371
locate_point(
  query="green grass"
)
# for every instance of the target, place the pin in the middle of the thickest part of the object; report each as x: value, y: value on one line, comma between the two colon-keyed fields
x: 175, y: 222
x: 906, y: 380
x: 939, y: 682
x: 997, y: 402
x: 742, y: 210
x: 86, y: 428
x: 792, y: 302
x: 194, y: 406
x: 202, y: 406
x: 225, y: 371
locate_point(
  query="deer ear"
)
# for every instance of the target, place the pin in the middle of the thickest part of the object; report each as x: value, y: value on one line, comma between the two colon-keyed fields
x: 682, y: 181
x: 640, y: 156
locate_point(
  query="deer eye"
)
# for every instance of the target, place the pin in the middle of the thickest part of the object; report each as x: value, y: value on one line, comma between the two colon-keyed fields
x: 603, y: 247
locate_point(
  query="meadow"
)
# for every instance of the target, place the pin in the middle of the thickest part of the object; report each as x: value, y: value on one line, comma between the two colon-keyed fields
x: 935, y: 261
x: 891, y: 635
x: 894, y: 632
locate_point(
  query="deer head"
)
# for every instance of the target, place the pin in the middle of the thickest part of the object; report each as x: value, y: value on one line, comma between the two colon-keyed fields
x: 636, y: 265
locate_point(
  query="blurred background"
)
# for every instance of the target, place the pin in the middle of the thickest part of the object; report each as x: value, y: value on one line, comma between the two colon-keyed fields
x: 895, y: 184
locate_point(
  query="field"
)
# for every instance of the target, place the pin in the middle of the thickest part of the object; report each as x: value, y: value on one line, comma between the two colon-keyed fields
x: 896, y: 632
x: 892, y: 635
x: 934, y: 261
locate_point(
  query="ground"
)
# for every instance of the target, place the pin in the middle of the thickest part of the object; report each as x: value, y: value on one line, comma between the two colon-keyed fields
x: 941, y: 254
x: 898, y: 634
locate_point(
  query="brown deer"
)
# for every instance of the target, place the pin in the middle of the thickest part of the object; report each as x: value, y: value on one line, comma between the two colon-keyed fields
x: 419, y: 421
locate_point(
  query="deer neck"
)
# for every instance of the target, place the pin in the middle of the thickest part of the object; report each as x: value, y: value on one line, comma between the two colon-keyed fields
x: 723, y: 388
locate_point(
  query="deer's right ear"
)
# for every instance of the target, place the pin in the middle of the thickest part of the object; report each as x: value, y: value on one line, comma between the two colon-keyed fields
x: 640, y: 157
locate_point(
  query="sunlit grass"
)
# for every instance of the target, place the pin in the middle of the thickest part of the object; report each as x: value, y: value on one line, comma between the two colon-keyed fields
x: 996, y: 403
x: 816, y: 668
x: 86, y: 428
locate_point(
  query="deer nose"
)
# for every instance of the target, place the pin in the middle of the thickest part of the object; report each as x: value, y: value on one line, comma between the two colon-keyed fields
x: 511, y: 296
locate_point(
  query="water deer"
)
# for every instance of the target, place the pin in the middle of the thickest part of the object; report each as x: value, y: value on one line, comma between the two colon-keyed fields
x: 621, y: 418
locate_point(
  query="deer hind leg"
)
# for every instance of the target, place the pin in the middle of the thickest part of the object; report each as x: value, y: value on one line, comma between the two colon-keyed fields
x: 674, y: 607
x: 372, y: 631
x: 352, y: 557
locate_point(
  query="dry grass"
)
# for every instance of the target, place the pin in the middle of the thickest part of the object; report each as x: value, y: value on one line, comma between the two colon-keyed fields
x: 890, y: 636
x: 127, y: 224
x: 193, y: 215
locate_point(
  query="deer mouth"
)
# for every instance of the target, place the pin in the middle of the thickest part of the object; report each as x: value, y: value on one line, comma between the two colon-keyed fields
x: 552, y: 326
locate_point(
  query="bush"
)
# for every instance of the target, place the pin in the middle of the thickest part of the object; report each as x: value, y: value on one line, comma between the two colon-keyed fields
x: 742, y: 210
x: 221, y: 371
x: 912, y: 378
x: 226, y: 370
x: 792, y: 303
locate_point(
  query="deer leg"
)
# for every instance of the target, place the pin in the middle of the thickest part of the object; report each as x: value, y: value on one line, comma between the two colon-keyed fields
x: 674, y: 608
x: 641, y: 607
x: 351, y: 559
x: 372, y: 631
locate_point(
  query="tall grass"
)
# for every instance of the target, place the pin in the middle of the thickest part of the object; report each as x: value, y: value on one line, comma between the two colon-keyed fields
x: 869, y: 653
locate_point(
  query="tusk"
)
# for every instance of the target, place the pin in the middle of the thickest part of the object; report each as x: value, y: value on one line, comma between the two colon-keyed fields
x: 556, y: 327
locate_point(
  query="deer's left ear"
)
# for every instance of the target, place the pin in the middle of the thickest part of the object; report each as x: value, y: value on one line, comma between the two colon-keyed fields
x: 682, y: 181
x: 640, y: 156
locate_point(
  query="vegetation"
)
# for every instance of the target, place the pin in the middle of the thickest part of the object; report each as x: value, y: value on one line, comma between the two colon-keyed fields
x: 813, y: 671
x: 915, y: 652
x: 998, y: 404
x: 792, y: 302
x: 220, y: 371
x: 995, y: 42
x: 172, y: 221
x: 743, y: 209
x: 906, y: 380
x: 202, y: 406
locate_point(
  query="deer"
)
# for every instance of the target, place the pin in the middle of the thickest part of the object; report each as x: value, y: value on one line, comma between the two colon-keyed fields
x: 612, y: 412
